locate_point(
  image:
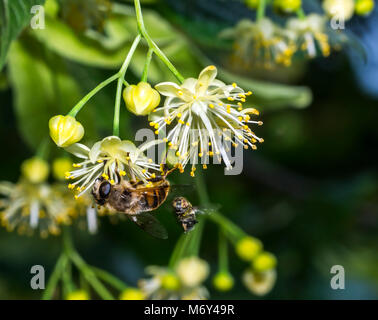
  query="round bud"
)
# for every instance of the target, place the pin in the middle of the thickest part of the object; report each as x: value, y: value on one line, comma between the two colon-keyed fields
x: 248, y: 247
x: 141, y: 99
x: 36, y: 170
x: 77, y: 295
x: 60, y: 167
x: 265, y: 261
x: 65, y: 130
x: 132, y: 294
x: 223, y: 281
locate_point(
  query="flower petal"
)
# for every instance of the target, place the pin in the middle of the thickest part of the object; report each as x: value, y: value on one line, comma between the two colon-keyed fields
x: 168, y: 89
x: 78, y: 150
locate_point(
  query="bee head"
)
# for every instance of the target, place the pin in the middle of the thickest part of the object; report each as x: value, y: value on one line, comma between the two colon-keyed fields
x: 180, y: 204
x: 101, y: 190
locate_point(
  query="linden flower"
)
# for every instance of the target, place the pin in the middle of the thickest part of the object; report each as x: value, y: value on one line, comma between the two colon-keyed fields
x: 166, y: 284
x: 27, y: 207
x: 309, y: 33
x: 207, y: 111
x: 110, y: 158
x: 65, y: 130
x: 259, y: 283
x: 260, y: 43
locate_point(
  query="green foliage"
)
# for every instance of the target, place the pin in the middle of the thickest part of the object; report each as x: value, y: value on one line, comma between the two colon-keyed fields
x: 14, y: 16
x: 42, y: 87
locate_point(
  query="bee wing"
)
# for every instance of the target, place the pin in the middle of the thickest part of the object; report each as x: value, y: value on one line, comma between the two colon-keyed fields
x: 208, y: 209
x: 150, y: 224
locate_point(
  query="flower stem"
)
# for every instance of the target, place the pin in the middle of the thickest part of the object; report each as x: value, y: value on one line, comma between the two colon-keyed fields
x: 87, y: 272
x: 261, y: 10
x: 152, y: 44
x: 231, y: 230
x: 223, y: 255
x: 109, y: 278
x: 121, y: 76
x: 55, y: 276
x: 300, y: 13
x: 89, y: 95
x: 147, y: 65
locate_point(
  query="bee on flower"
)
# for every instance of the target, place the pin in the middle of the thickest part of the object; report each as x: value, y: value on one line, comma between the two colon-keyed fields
x: 202, y: 116
x: 260, y: 43
x: 111, y: 158
x: 182, y: 283
x: 309, y: 34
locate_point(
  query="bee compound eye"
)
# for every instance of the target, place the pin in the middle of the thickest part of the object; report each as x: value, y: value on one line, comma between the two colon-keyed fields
x: 104, y: 189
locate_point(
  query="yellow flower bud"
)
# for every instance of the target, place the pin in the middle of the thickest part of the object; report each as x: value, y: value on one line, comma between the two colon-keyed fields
x: 223, y: 281
x: 252, y: 3
x: 132, y: 294
x: 60, y: 167
x: 287, y: 6
x: 259, y: 283
x: 265, y: 261
x: 192, y: 271
x: 77, y: 295
x: 65, y: 130
x: 364, y: 7
x: 248, y: 247
x: 35, y: 169
x: 170, y: 281
x: 141, y: 99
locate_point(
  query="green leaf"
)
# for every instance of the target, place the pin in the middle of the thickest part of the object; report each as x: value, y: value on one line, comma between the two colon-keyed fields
x: 271, y: 95
x: 41, y: 88
x: 14, y: 16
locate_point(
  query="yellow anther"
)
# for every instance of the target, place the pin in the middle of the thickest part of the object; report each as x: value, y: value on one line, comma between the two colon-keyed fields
x: 179, y: 115
x: 178, y: 153
x: 153, y: 175
x: 156, y: 126
x: 242, y: 99
x: 188, y: 124
x: 99, y: 160
x: 122, y: 173
x: 144, y: 170
x: 150, y: 160
x: 165, y: 139
x: 234, y: 85
x: 230, y: 99
x: 200, y: 154
x: 220, y: 104
x: 260, y: 123
x: 105, y: 176
x: 261, y: 140
x: 248, y: 93
x: 152, y: 123
x: 204, y: 166
x: 211, y: 67
x: 247, y: 118
x: 240, y: 109
x: 240, y: 118
x: 112, y: 181
x: 180, y: 93
x: 156, y: 131
x: 211, y: 106
x: 254, y: 147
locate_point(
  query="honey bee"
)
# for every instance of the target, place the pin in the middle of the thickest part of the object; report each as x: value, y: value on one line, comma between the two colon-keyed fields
x: 135, y: 199
x: 185, y: 213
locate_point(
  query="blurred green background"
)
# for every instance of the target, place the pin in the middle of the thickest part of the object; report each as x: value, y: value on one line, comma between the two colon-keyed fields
x: 310, y: 192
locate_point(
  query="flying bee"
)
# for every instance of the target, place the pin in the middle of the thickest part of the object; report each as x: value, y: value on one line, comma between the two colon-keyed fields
x: 186, y: 213
x: 135, y: 199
